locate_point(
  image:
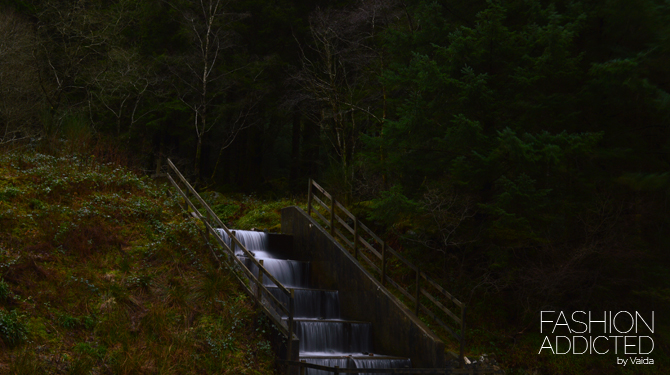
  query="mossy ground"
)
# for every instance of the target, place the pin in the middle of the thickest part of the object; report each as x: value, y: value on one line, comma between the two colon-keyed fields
x: 101, y: 273
x: 250, y: 212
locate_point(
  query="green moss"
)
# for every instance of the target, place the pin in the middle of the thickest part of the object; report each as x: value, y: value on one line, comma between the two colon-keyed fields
x: 264, y: 216
x: 37, y: 326
x: 226, y: 211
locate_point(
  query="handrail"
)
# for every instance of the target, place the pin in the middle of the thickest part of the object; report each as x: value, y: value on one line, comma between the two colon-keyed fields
x: 428, y: 371
x: 361, y: 245
x: 225, y: 228
x: 285, y: 328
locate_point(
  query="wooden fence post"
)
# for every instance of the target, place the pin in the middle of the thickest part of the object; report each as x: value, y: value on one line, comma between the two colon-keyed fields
x: 302, y: 368
x: 209, y: 221
x: 291, y: 312
x: 309, y: 198
x: 418, y: 292
x: 383, y: 263
x: 332, y: 215
x: 337, y: 370
x: 232, y: 243
x: 356, y: 237
x: 461, y: 360
x: 259, y: 293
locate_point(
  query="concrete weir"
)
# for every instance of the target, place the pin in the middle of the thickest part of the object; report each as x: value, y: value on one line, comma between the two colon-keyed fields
x: 397, y: 331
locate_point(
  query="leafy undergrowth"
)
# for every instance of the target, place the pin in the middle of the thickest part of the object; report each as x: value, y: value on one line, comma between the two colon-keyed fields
x: 250, y: 212
x: 100, y: 273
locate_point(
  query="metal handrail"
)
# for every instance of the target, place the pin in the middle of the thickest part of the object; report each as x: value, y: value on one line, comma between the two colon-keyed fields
x: 285, y: 328
x: 383, y: 255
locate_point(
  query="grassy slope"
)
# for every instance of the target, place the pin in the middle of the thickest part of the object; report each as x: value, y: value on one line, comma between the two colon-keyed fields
x: 102, y: 274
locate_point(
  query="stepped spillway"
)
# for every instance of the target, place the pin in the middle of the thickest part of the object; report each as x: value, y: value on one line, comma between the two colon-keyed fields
x: 326, y: 338
x: 311, y: 303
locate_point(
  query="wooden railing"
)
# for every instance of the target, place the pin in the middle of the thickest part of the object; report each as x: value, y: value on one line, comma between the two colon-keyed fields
x: 366, y: 245
x: 255, y: 288
x: 302, y: 365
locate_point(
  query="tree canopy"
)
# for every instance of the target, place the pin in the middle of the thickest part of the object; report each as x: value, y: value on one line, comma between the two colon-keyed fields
x: 527, y: 139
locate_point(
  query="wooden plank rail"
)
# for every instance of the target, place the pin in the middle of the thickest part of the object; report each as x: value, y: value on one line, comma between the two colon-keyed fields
x: 346, y: 212
x: 377, y: 247
x: 402, y: 259
x: 401, y: 289
x: 379, y: 240
x: 428, y: 371
x: 438, y: 304
x: 250, y: 274
x: 344, y: 238
x: 322, y: 190
x: 320, y: 216
x: 286, y: 328
x: 223, y: 243
x: 369, y: 247
x: 370, y: 263
x: 446, y: 294
x: 344, y: 224
x: 319, y: 201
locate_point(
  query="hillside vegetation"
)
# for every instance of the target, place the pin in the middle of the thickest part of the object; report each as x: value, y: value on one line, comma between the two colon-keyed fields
x: 101, y: 273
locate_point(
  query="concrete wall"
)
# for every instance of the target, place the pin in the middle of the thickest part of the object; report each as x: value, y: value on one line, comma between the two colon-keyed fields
x: 280, y: 245
x: 395, y: 329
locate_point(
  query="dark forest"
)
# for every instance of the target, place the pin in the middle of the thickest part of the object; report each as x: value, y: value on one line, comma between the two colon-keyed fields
x: 519, y: 150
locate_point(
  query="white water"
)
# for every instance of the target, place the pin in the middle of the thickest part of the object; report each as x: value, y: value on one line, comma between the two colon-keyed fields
x: 380, y: 363
x: 325, y: 338
x: 311, y: 303
x: 291, y: 273
x: 330, y: 362
x: 333, y: 337
x: 255, y: 242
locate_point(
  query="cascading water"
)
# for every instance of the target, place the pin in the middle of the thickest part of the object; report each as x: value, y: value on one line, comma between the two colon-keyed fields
x: 333, y: 336
x: 380, y: 363
x: 255, y: 242
x: 311, y: 303
x: 291, y: 273
x: 341, y: 362
x: 325, y: 338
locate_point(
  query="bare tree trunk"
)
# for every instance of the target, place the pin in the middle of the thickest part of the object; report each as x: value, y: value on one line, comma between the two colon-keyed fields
x: 203, y: 80
x: 295, y: 149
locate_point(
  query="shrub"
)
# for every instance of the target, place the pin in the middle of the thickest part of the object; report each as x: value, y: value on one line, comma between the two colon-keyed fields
x: 12, y: 331
x: 68, y: 321
x: 4, y: 291
x: 265, y: 216
x: 9, y: 193
x: 226, y: 211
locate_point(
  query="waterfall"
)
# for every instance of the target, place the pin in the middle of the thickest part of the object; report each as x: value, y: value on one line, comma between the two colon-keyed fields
x: 318, y: 337
x: 325, y: 338
x: 311, y: 303
x: 381, y: 363
x: 291, y: 273
x: 255, y: 242
x: 330, y: 362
